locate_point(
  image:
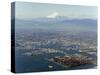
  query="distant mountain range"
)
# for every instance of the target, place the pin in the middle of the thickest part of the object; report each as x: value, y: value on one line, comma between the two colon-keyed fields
x: 59, y: 22
x: 59, y: 19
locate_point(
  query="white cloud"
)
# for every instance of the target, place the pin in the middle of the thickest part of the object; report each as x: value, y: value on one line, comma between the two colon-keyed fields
x: 53, y: 15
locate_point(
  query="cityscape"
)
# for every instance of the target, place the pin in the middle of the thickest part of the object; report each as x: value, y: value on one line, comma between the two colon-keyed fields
x: 55, y: 42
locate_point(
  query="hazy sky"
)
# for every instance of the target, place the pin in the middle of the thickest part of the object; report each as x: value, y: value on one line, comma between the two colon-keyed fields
x: 26, y: 10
